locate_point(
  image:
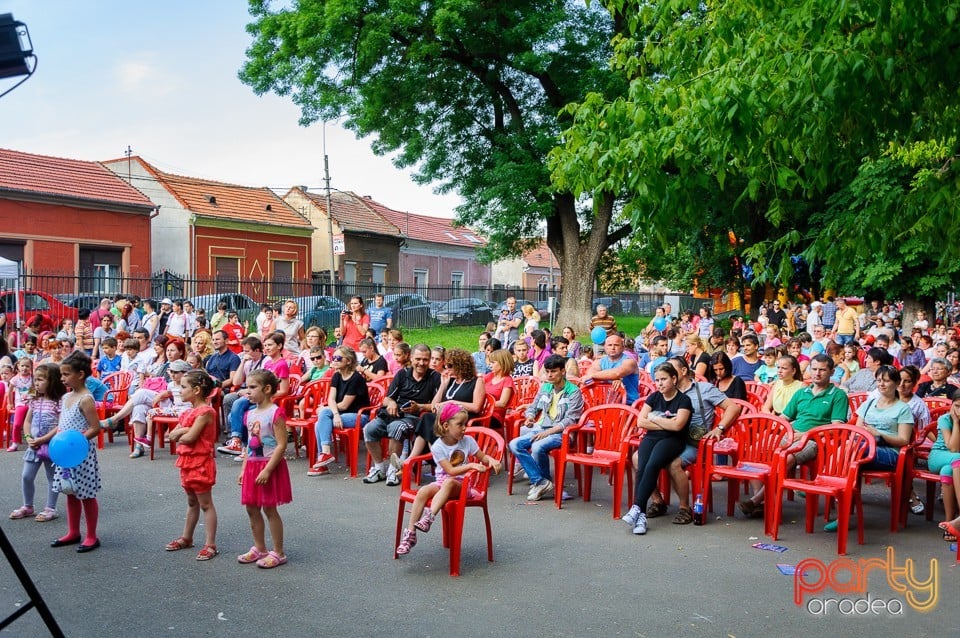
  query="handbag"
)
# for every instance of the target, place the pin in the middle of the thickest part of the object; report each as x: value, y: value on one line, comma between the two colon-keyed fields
x: 154, y: 384
x: 697, y: 432
x: 67, y: 485
x: 43, y: 452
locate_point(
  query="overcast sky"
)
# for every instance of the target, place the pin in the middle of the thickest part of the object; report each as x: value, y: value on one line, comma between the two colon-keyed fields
x: 161, y: 77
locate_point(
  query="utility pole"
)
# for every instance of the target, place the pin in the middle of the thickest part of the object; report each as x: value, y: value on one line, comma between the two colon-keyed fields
x: 326, y: 179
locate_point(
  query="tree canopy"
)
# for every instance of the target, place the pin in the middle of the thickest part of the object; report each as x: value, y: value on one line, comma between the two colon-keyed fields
x: 817, y: 129
x: 467, y: 92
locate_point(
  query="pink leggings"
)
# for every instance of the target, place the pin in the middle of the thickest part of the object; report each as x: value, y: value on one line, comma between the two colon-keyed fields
x: 19, y: 416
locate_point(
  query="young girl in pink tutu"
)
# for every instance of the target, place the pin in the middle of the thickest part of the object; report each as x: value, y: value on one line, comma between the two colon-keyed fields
x: 264, y: 479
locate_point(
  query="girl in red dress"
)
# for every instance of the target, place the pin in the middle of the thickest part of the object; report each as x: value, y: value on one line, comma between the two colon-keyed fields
x: 196, y: 436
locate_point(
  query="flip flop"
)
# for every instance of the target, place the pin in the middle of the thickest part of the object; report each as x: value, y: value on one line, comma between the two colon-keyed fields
x: 252, y: 556
x: 949, y: 529
x: 178, y: 544
x: 916, y: 506
x: 271, y: 560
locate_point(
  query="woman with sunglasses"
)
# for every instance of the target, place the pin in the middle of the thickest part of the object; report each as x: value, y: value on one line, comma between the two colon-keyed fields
x: 348, y: 394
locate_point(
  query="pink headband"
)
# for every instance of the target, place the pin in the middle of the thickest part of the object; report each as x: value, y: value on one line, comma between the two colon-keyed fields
x: 449, y: 411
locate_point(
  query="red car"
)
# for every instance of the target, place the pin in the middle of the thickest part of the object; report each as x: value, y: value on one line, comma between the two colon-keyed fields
x: 33, y: 302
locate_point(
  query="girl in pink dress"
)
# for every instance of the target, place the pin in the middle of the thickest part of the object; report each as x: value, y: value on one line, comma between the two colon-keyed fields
x: 264, y: 480
x: 196, y: 436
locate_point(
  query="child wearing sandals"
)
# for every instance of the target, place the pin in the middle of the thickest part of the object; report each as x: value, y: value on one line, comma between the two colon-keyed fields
x: 196, y: 436
x: 945, y: 460
x: 264, y: 478
x: 451, y: 452
x: 39, y: 426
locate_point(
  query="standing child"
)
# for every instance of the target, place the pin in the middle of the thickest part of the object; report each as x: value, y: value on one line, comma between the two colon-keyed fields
x: 264, y: 479
x: 18, y: 398
x: 43, y: 414
x: 451, y: 452
x: 196, y: 435
x: 79, y: 412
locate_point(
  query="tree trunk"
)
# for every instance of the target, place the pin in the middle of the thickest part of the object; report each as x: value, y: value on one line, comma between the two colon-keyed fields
x: 910, y: 307
x: 579, y: 256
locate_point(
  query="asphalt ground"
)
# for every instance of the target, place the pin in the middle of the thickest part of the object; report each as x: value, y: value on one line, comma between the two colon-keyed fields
x: 572, y: 572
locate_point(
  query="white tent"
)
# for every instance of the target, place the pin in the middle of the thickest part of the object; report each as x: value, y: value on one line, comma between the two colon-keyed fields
x: 11, y: 270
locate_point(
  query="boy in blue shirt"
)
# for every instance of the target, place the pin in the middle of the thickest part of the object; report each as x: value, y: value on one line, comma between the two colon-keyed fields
x: 110, y: 361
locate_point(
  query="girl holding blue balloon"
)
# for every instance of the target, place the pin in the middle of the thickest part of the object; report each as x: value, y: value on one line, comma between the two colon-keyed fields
x: 74, y: 452
x: 39, y: 426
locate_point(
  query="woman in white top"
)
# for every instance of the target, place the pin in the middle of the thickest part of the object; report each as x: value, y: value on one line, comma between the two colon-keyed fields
x: 292, y: 329
x: 531, y: 319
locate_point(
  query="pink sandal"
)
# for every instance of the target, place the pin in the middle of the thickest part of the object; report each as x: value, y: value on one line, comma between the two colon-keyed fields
x: 21, y: 512
x: 271, y: 560
x: 407, y: 540
x: 251, y: 556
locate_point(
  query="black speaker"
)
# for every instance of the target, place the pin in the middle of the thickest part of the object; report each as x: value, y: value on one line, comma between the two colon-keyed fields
x: 13, y: 57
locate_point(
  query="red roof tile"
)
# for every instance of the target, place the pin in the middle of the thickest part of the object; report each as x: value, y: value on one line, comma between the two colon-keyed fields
x: 426, y: 228
x: 56, y: 176
x: 540, y: 257
x: 352, y: 213
x: 209, y: 198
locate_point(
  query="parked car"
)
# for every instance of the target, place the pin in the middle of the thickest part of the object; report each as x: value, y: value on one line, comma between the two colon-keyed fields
x: 465, y: 311
x: 33, y: 302
x: 543, y: 308
x: 88, y: 301
x: 320, y: 310
x: 410, y: 310
x: 246, y: 308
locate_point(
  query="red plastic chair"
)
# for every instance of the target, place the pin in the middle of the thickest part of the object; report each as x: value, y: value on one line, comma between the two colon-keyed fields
x: 601, y: 393
x: 757, y: 393
x: 646, y: 389
x: 752, y: 442
x: 473, y: 493
x: 6, y: 428
x: 525, y: 388
x: 164, y: 424
x: 348, y: 439
x: 855, y: 400
x: 841, y: 450
x: 483, y: 419
x: 745, y: 408
x: 289, y: 401
x: 611, y: 427
x: 315, y: 396
x: 117, y: 395
x: 584, y: 366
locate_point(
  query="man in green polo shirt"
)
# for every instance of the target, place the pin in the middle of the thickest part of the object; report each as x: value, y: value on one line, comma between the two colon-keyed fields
x: 819, y: 403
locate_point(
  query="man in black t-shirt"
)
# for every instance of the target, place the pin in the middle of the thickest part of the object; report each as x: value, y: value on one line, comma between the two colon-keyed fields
x: 410, y: 392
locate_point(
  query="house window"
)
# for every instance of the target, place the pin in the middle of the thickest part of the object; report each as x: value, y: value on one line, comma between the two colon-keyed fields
x: 542, y: 289
x: 282, y: 280
x: 421, y: 279
x: 456, y: 283
x: 100, y: 270
x: 227, y: 271
x: 379, y: 276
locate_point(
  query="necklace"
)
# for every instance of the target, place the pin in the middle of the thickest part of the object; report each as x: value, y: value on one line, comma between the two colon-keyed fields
x: 452, y: 390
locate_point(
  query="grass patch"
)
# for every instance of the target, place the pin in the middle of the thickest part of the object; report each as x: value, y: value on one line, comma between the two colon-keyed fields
x: 466, y: 336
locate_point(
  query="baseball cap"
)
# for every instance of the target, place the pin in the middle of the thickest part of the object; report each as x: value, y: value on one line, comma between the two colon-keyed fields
x: 179, y: 366
x: 166, y: 300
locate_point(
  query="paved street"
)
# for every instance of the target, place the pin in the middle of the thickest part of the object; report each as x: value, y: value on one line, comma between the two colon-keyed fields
x: 574, y: 572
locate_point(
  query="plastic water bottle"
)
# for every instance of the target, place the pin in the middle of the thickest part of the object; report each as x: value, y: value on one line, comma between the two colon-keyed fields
x: 698, y: 510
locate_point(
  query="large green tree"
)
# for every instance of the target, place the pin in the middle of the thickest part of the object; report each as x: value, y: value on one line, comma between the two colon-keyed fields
x: 778, y: 118
x: 470, y: 93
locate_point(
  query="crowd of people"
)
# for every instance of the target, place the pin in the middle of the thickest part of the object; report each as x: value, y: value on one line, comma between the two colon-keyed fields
x: 678, y: 372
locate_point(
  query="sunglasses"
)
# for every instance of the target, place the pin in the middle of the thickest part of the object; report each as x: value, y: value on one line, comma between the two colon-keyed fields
x: 448, y: 366
x: 320, y: 358
x: 337, y: 357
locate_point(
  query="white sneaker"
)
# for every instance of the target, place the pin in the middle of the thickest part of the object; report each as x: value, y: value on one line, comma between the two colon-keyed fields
x: 632, y: 515
x: 539, y: 490
x: 519, y: 474
x: 393, y: 476
x: 640, y: 527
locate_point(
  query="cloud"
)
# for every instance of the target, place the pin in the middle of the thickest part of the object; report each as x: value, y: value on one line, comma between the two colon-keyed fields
x: 144, y: 78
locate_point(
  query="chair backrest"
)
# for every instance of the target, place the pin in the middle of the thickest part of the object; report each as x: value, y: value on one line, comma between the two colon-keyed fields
x: 937, y: 402
x: 745, y: 408
x: 120, y: 380
x: 294, y: 380
x: 841, y: 449
x: 315, y: 396
x: 855, y: 400
x: 584, y: 365
x: 762, y: 390
x: 614, y: 424
x: 376, y: 392
x: 760, y: 436
x: 491, y: 444
x: 486, y: 413
x: 525, y: 388
x: 646, y: 388
x: 598, y: 393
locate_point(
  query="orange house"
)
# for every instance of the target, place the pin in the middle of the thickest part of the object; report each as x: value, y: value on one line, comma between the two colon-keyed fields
x: 225, y: 232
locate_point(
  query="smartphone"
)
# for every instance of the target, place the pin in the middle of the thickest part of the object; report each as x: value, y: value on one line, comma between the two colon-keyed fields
x: 406, y: 405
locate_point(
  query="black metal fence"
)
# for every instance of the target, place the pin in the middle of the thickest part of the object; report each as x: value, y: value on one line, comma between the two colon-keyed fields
x: 413, y: 306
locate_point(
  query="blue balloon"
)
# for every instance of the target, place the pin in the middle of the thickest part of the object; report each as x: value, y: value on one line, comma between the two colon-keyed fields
x: 69, y: 448
x: 598, y: 335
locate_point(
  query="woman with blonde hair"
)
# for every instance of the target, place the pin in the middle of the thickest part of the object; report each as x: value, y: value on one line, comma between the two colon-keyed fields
x: 696, y: 356
x: 531, y: 319
x: 202, y: 344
